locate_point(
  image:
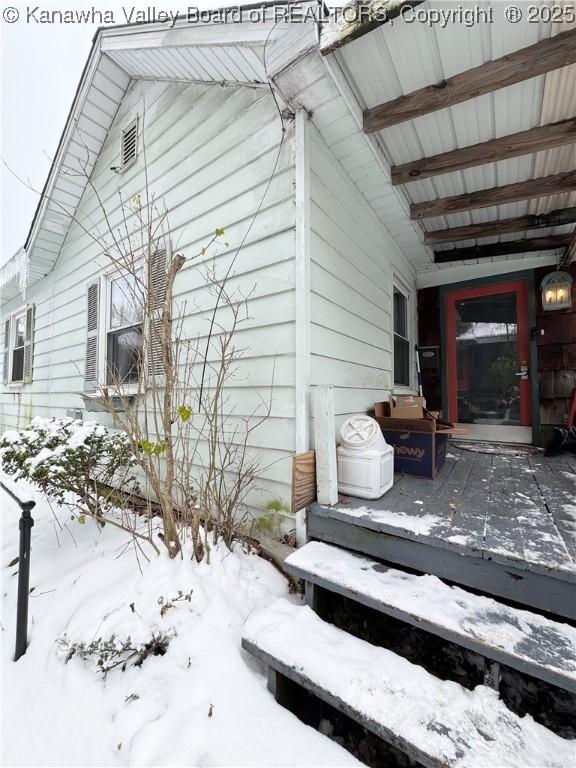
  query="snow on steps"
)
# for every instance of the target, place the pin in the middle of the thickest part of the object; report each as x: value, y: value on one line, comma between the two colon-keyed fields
x: 525, y: 641
x: 437, y: 722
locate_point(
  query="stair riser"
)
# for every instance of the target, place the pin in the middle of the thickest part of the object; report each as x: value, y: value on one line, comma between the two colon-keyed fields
x: 274, y: 666
x: 365, y: 745
x: 533, y: 590
x: 435, y: 721
x: 447, y: 660
x: 542, y: 673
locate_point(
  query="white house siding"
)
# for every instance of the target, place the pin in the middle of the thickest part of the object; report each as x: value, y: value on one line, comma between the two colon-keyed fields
x: 210, y: 152
x: 354, y: 264
x: 354, y: 259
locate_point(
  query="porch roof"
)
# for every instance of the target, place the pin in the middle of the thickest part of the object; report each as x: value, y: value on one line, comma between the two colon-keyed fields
x: 387, y: 63
x: 400, y: 58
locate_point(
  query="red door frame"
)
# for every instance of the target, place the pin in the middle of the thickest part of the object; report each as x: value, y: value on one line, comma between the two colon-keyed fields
x: 520, y: 288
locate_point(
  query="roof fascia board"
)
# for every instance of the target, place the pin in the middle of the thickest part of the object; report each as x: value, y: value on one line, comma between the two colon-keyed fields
x: 193, y: 81
x: 182, y: 21
x: 84, y: 86
x: 243, y: 34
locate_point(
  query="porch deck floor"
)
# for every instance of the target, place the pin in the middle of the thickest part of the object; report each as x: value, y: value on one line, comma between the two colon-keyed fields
x: 500, y: 504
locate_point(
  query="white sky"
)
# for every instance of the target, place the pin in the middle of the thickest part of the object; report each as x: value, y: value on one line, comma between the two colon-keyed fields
x: 40, y: 68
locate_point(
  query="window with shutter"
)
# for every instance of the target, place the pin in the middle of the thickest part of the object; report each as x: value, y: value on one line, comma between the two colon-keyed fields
x: 124, y: 328
x: 92, y: 316
x: 115, y: 347
x: 129, y: 144
x: 18, y: 347
x: 17, y: 343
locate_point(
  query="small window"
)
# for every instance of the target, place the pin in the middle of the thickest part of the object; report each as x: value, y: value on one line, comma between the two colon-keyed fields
x: 401, y: 341
x: 17, y: 351
x: 129, y: 144
x: 124, y: 329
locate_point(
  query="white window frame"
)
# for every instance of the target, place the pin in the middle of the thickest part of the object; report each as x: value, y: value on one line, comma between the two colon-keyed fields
x: 104, y: 329
x: 20, y: 312
x: 400, y: 286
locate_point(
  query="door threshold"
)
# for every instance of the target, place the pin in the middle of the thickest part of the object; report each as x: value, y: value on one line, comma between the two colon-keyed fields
x: 479, y: 446
x: 493, y: 433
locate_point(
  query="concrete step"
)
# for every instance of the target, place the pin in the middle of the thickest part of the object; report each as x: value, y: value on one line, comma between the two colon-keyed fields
x: 435, y: 722
x: 527, y: 642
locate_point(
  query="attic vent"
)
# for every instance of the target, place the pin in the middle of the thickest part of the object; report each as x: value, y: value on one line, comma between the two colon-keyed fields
x: 129, y: 143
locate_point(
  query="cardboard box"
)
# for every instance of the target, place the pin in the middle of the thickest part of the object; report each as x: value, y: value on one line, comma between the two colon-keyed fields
x: 417, y: 453
x: 425, y: 424
x: 401, y: 407
x: 407, y: 401
x: 407, y: 407
x: 381, y: 409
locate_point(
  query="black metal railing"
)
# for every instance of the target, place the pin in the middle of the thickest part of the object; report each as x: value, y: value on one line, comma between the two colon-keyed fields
x: 25, y: 526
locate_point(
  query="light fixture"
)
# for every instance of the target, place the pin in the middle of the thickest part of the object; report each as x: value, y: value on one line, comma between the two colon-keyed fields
x: 556, y: 291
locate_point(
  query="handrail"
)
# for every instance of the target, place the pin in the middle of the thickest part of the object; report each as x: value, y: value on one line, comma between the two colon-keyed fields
x: 25, y: 526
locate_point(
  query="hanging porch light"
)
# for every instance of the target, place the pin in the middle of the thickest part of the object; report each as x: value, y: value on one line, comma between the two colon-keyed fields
x: 556, y: 291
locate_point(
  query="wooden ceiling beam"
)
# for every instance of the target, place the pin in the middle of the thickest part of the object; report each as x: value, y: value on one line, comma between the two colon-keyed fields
x: 509, y: 193
x: 514, y: 145
x: 552, y: 242
x: 501, y: 227
x: 544, y: 56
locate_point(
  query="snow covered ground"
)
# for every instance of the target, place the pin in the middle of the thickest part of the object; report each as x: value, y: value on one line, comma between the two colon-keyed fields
x: 204, y: 703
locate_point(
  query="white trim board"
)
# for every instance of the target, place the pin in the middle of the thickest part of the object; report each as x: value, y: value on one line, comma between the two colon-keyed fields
x: 462, y: 272
x: 302, y: 280
x: 302, y: 297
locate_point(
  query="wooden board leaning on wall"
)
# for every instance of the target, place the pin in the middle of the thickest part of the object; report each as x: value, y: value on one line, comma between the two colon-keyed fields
x: 303, y: 480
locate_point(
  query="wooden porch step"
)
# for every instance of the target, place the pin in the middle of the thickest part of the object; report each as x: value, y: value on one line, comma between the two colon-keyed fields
x: 525, y: 641
x: 432, y: 544
x: 436, y: 722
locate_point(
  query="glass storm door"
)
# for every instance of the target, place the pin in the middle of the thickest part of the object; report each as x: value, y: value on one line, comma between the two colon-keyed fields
x: 488, y: 364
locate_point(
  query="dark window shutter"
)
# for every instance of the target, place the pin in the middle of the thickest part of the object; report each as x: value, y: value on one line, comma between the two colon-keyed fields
x: 6, y: 352
x: 92, y: 315
x: 157, y: 287
x: 29, y: 343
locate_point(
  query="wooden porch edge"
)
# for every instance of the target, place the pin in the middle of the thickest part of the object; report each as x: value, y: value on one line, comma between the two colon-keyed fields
x: 551, y: 593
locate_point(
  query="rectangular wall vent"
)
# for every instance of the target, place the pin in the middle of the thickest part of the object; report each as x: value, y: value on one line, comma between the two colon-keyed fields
x: 129, y: 144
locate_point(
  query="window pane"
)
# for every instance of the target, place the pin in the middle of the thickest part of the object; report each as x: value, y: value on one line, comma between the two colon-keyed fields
x: 126, y: 301
x: 124, y: 354
x: 401, y: 361
x: 400, y: 314
x: 20, y: 331
x: 18, y: 364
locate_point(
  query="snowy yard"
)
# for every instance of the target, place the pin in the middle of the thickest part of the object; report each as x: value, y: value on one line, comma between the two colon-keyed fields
x: 204, y: 703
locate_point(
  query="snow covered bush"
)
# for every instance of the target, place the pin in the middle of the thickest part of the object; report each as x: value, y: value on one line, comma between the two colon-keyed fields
x: 64, y: 456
